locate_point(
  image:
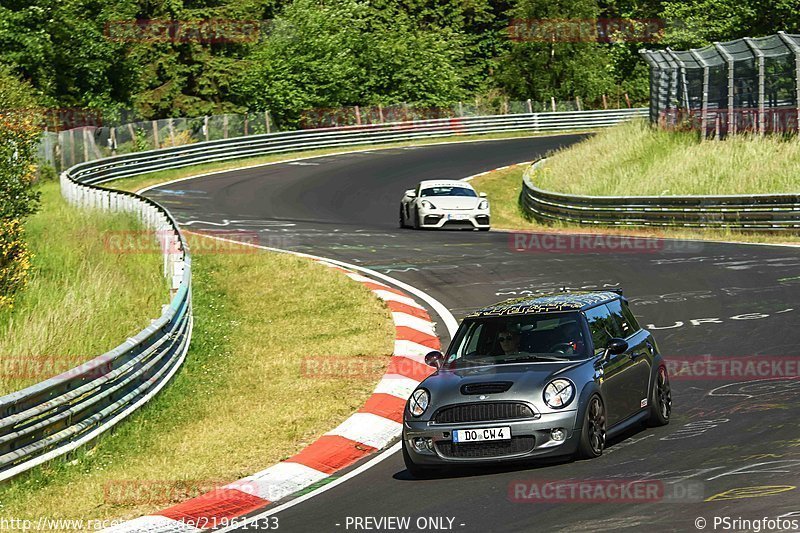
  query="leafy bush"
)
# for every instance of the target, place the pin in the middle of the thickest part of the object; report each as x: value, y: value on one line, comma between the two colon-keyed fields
x: 15, y: 261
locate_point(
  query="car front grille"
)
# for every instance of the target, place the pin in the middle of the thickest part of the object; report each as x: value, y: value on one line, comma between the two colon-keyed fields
x: 482, y: 412
x: 480, y: 450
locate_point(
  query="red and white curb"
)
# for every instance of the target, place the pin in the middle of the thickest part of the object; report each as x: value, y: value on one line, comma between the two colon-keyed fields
x: 372, y: 428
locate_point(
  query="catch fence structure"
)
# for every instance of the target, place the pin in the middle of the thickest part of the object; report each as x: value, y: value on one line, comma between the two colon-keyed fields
x: 745, y: 85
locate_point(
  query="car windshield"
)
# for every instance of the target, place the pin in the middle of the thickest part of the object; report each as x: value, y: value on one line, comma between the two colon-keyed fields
x: 448, y: 191
x: 518, y: 339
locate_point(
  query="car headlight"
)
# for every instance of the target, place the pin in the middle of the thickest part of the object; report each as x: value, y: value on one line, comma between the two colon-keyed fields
x: 484, y: 204
x: 418, y: 402
x: 559, y: 393
x: 427, y: 205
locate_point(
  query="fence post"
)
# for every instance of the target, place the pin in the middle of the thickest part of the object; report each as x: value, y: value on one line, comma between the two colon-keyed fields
x: 225, y: 126
x: 731, y: 86
x: 133, y: 135
x: 358, y: 115
x: 759, y: 55
x: 85, y: 144
x: 113, y: 141
x: 605, y: 102
x: 529, y: 105
x: 155, y: 135
x: 266, y: 119
x: 704, y: 105
x: 171, y: 131
x: 553, y: 103
x: 682, y: 74
x: 796, y: 49
x: 206, y: 132
x: 72, y: 147
x: 246, y: 117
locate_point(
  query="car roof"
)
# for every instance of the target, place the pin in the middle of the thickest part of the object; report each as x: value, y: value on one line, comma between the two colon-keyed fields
x: 548, y: 303
x: 444, y: 183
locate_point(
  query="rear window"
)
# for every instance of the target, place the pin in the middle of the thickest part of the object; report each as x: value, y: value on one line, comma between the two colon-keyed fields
x: 448, y: 191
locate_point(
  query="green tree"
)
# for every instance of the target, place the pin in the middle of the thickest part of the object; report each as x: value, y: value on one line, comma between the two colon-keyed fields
x: 555, y: 64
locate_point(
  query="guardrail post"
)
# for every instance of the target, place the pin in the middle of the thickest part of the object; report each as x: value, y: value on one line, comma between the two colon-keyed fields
x: 796, y: 50
x: 529, y: 105
x: 759, y: 55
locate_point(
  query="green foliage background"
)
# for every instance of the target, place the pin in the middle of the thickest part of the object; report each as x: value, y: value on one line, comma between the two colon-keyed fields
x: 328, y: 53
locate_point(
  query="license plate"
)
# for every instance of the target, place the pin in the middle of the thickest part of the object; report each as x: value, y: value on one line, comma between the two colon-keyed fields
x: 480, y: 435
x: 457, y: 217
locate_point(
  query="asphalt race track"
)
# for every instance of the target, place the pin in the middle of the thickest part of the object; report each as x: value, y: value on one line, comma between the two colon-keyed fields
x: 736, y: 441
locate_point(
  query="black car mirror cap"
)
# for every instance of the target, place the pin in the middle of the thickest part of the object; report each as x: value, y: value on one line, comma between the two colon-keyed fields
x: 434, y: 359
x: 616, y: 346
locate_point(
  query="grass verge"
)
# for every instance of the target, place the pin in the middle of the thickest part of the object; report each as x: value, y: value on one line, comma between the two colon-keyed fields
x: 153, y: 178
x: 83, y: 298
x: 633, y: 159
x: 258, y: 315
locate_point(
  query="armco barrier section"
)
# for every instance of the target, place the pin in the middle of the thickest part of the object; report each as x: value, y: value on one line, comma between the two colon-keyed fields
x: 757, y: 212
x: 60, y: 414
x: 127, y: 165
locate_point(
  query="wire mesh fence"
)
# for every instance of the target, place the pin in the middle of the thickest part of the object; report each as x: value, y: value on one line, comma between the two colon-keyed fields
x: 746, y: 85
x: 63, y: 149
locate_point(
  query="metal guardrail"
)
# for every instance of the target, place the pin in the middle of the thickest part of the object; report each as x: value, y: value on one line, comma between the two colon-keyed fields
x: 60, y: 414
x: 757, y: 212
x: 123, y: 166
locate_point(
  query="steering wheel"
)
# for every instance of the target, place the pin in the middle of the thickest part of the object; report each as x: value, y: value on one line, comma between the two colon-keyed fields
x: 563, y: 347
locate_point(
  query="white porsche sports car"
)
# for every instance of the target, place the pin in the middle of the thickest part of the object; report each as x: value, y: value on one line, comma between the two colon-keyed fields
x: 440, y: 203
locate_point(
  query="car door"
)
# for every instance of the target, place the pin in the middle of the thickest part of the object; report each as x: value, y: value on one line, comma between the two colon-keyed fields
x: 616, y: 368
x: 637, y: 374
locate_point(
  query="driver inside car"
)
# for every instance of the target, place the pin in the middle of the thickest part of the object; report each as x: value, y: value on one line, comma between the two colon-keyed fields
x: 509, y: 341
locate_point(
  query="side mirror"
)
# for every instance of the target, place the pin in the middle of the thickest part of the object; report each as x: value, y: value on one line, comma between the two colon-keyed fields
x: 482, y: 194
x: 434, y: 359
x: 616, y: 346
x: 411, y: 193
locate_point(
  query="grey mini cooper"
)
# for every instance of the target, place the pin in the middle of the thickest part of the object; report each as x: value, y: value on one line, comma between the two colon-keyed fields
x: 544, y: 376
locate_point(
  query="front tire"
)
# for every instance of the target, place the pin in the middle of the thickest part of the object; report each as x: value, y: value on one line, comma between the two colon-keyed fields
x: 593, y: 433
x: 483, y: 229
x: 660, y: 400
x: 402, y: 217
x: 416, y: 471
x: 416, y: 220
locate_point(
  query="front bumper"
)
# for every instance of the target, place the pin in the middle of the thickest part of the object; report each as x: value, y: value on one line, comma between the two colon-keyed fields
x: 439, y: 218
x: 531, y: 439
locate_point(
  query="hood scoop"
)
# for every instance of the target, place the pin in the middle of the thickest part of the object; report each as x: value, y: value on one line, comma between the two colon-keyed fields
x: 491, y: 387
